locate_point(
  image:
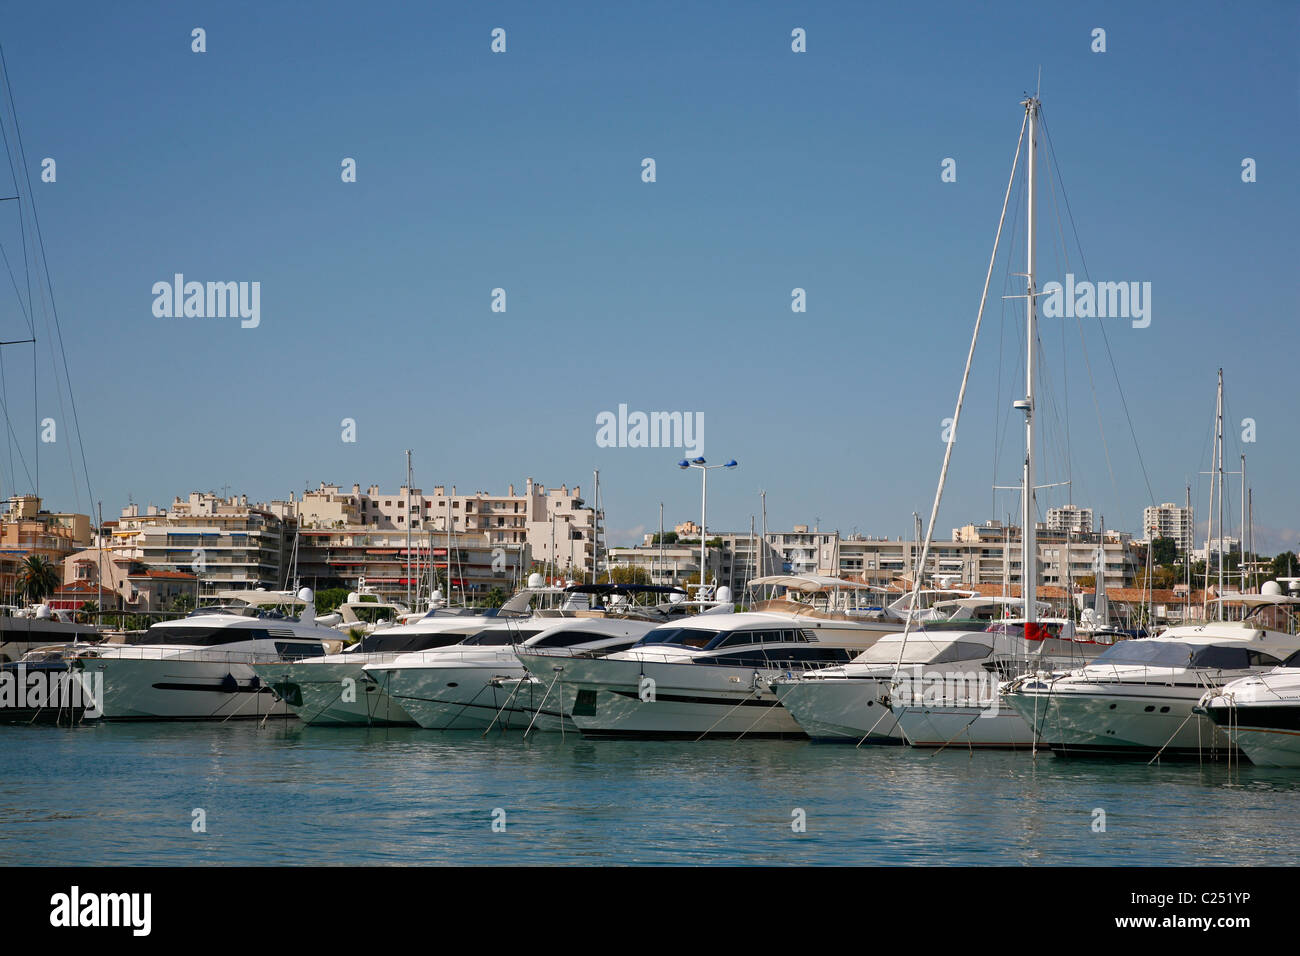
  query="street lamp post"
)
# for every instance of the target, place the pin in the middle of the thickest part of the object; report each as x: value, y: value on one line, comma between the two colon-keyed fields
x: 705, y: 468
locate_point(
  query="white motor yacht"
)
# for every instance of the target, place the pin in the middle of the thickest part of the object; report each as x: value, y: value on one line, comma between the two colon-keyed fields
x: 966, y: 648
x: 335, y: 689
x: 1261, y: 714
x: 1138, y: 697
x: 477, y: 682
x: 201, y: 667
x: 710, y: 675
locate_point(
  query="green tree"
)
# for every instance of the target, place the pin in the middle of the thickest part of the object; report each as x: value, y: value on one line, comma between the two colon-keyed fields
x: 87, y: 613
x: 1164, y: 551
x: 328, y: 600
x: 38, y: 577
x: 630, y: 574
x: 1286, y: 564
x: 494, y: 598
x: 181, y: 603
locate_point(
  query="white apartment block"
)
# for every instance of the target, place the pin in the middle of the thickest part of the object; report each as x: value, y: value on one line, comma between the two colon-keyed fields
x: 1069, y: 519
x: 535, y: 517
x: 989, y: 554
x: 1169, y: 521
x: 226, y: 542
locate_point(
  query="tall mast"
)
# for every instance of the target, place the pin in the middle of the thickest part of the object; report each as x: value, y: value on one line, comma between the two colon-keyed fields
x: 1243, y: 523
x: 1187, y: 558
x: 1218, y: 438
x: 1029, y: 512
x: 408, y: 528
x: 595, y: 529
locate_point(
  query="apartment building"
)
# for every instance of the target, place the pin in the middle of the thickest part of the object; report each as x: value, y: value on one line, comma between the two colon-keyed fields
x: 1169, y: 520
x: 27, y: 529
x: 226, y: 543
x: 1069, y: 519
x: 554, y: 525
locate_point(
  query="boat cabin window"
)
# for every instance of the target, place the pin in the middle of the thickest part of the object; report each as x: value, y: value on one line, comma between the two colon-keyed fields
x: 1232, y: 658
x: 381, y: 643
x: 297, y: 650
x: 678, y: 636
x: 744, y: 638
x: 1177, y: 654
x: 798, y: 657
x: 495, y: 637
x: 1293, y: 660
x: 568, y: 638
x: 197, y: 636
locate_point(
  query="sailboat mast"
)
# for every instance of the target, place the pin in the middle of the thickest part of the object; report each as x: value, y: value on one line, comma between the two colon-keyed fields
x: 1187, y: 558
x: 1028, y: 533
x: 1218, y: 438
x: 407, y: 522
x: 1243, y: 523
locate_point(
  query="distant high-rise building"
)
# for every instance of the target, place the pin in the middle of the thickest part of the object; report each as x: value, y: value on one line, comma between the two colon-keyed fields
x: 1069, y: 518
x: 1169, y: 521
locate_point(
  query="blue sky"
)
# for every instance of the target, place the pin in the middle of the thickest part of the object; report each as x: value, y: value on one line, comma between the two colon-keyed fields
x: 775, y: 170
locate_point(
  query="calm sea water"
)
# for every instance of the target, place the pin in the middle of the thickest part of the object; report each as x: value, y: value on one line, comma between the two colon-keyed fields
x: 124, y: 794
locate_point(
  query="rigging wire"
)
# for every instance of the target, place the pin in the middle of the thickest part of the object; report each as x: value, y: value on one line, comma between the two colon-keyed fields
x: 1114, y: 368
x: 48, y: 287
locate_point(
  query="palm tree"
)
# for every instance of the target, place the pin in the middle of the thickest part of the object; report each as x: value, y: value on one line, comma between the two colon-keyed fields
x: 38, y: 577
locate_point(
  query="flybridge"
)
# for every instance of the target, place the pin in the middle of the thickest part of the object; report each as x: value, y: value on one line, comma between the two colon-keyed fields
x: 212, y: 300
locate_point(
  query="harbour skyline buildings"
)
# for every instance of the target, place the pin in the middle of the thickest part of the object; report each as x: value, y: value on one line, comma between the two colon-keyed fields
x: 337, y: 536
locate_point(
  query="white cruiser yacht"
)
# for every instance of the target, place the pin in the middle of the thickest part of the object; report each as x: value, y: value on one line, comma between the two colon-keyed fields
x: 1261, y: 714
x: 476, y: 682
x: 966, y: 644
x: 1137, y: 698
x: 708, y: 675
x: 949, y: 710
x: 334, y: 689
x: 482, y: 683
x: 201, y: 667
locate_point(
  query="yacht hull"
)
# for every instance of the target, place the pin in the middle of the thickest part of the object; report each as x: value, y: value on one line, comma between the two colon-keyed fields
x: 457, y: 697
x: 850, y: 710
x: 1120, y: 720
x: 611, y: 698
x: 988, y: 725
x: 141, y: 688
x: 1268, y: 734
x: 329, y: 693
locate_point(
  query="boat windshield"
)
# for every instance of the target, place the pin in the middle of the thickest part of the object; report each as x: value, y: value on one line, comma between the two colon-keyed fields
x: 186, y: 636
x: 402, y: 642
x: 920, y: 650
x: 495, y: 637
x: 678, y: 636
x: 1178, y: 654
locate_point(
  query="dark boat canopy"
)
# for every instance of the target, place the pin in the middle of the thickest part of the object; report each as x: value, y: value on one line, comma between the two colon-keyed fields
x: 605, y: 589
